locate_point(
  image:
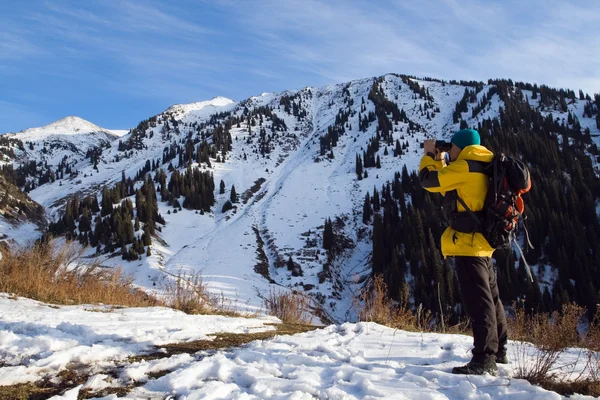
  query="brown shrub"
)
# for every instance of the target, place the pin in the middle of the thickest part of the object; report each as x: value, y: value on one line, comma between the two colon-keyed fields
x: 188, y: 293
x: 550, y: 336
x: 289, y: 307
x: 55, y: 276
x: 378, y: 307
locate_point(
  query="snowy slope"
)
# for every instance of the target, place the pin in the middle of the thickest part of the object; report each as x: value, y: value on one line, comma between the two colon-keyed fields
x: 202, y: 108
x: 301, y: 193
x: 348, y: 361
x: 285, y: 196
x: 22, y: 221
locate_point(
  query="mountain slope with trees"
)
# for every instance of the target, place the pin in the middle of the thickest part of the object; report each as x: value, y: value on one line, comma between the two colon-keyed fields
x: 317, y: 191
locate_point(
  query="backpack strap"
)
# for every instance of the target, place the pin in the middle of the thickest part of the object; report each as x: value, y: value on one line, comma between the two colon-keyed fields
x: 471, y: 213
x: 476, y: 222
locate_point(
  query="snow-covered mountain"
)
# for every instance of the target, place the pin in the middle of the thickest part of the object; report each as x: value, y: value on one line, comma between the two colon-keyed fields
x: 291, y: 157
x: 67, y: 141
x: 68, y: 126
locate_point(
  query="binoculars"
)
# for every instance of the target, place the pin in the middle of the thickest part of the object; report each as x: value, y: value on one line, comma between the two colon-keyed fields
x: 443, y: 145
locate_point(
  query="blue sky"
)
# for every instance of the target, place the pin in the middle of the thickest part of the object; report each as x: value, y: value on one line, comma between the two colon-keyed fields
x: 115, y: 63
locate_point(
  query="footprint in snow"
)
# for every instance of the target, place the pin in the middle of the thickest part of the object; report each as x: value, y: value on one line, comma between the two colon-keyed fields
x: 447, y: 346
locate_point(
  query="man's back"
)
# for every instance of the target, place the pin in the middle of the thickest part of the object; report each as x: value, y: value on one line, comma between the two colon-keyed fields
x: 465, y: 176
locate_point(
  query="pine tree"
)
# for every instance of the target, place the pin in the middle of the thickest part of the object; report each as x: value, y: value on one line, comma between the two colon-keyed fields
x: 397, y: 149
x: 233, y: 196
x: 227, y: 206
x: 146, y: 236
x: 367, y: 209
x: 376, y: 202
x: 359, y: 167
x: 221, y: 187
x: 84, y: 221
x: 328, y: 235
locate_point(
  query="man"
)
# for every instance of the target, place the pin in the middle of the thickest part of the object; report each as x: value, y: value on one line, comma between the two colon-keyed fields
x: 463, y: 180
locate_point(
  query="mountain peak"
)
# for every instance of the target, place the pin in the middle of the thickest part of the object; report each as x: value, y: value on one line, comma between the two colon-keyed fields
x: 218, y: 101
x: 70, y: 125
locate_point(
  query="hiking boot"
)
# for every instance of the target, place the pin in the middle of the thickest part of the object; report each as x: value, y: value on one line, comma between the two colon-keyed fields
x: 501, y: 358
x: 477, y: 368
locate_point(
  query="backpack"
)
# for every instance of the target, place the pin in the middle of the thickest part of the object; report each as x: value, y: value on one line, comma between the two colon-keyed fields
x: 503, y: 208
x: 509, y: 179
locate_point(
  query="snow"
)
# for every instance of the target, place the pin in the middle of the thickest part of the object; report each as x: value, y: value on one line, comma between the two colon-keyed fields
x: 203, y: 108
x: 66, y: 126
x: 119, y: 132
x: 21, y: 233
x: 37, y: 339
x: 348, y: 361
x: 67, y: 139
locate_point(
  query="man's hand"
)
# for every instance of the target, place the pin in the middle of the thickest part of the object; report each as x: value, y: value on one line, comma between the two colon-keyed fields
x: 429, y: 147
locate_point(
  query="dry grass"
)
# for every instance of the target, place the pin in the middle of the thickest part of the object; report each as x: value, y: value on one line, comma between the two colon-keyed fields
x: 227, y: 340
x: 188, y: 293
x: 54, y: 276
x: 44, y: 388
x: 289, y: 307
x: 550, y: 336
x: 592, y: 342
x: 378, y: 307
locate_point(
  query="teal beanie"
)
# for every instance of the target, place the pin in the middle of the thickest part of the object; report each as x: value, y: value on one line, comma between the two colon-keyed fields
x: 466, y: 137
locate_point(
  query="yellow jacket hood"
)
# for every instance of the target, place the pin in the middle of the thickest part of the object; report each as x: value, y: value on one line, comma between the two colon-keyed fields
x: 476, y: 153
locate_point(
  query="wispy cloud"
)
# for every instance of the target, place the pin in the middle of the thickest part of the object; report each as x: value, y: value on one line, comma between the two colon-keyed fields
x: 339, y: 40
x: 14, y: 46
x: 141, y: 43
x: 132, y: 52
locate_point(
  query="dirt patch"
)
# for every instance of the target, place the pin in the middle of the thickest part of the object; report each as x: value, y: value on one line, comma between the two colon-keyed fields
x: 44, y: 389
x: 582, y: 387
x: 224, y: 340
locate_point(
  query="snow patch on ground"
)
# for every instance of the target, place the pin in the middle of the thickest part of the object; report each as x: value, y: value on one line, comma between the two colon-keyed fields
x: 349, y: 361
x: 38, y: 339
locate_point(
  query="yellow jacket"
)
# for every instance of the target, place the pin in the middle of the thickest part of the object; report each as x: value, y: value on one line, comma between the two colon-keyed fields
x: 472, y: 188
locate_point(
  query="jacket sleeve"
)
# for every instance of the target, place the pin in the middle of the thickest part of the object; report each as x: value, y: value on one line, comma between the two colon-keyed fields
x: 437, y: 178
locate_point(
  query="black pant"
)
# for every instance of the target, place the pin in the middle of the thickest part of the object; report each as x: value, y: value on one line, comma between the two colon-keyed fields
x: 481, y: 301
